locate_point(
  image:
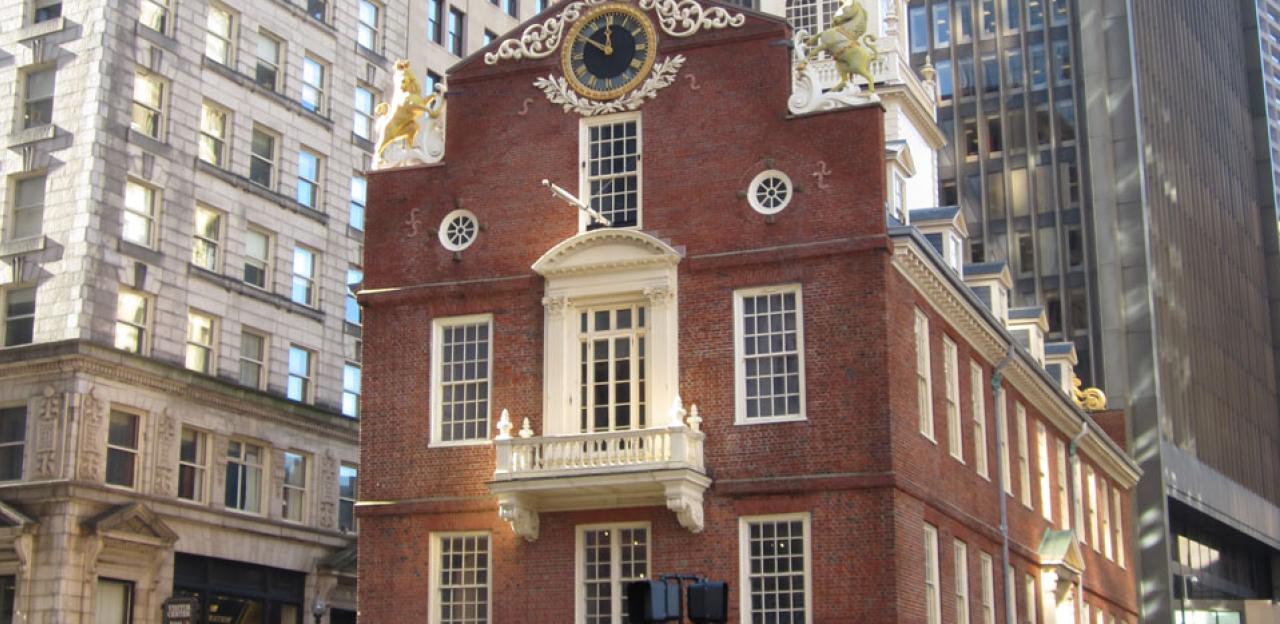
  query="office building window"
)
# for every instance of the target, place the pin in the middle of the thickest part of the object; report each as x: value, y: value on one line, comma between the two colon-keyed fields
x: 347, y: 489
x: 988, y: 18
x: 219, y: 40
x: 951, y: 372
x: 132, y: 314
x: 369, y: 27
x: 298, y: 387
x: 941, y: 25
x: 193, y: 464
x: 611, y: 156
x: 200, y: 340
x: 769, y: 361
x: 37, y: 97
x: 13, y: 435
x: 355, y: 209
x: 460, y: 590
x: 213, y: 135
x: 352, y: 313
x: 28, y: 206
x: 293, y: 498
x: 489, y: 36
x: 990, y: 74
x: 45, y: 10
x: 774, y: 564
x: 267, y: 71
x: 253, y: 359
x: 435, y: 21
x: 924, y: 381
x: 257, y: 258
x: 1024, y: 462
x: 244, y: 477
x: 1042, y: 466
x: 362, y: 124
x: 1039, y: 66
x: 318, y: 9
x: 1035, y: 14
x: 19, y: 316
x: 148, y: 104
x: 1013, y: 15
x: 978, y: 411
x: 457, y: 23
x: 154, y: 14
x: 310, y: 166
x: 962, y: 582
x: 433, y: 79
x: 139, y: 215
x: 988, y: 589
x: 1066, y: 120
x: 966, y: 79
x: 1013, y: 68
x: 461, y: 378
x: 946, y: 82
x: 304, y: 277
x: 1061, y: 62
x: 351, y: 390
x: 262, y: 158
x: 314, y: 72
x: 122, y: 448
x: 932, y: 593
x: 964, y: 18
x: 1059, y: 12
x: 206, y: 243
x: 512, y: 7
x: 918, y: 28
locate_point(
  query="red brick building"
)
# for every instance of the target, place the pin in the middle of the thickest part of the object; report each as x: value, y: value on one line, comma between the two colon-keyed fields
x: 748, y: 376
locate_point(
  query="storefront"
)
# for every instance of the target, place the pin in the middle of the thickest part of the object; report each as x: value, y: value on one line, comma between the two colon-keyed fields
x: 231, y: 592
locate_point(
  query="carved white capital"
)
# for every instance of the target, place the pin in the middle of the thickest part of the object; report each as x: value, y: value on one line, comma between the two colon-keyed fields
x: 686, y: 502
x: 658, y: 295
x: 523, y: 519
x: 555, y: 305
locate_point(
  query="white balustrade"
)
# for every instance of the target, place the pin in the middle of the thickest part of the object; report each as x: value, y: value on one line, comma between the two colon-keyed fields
x: 662, y: 447
x: 891, y: 66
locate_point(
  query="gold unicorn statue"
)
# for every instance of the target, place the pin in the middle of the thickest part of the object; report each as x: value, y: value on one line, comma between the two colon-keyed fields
x: 398, y: 119
x: 848, y: 43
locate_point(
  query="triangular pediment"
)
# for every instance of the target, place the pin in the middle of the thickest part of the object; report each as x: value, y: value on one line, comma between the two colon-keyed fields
x: 131, y: 518
x: 899, y: 152
x: 606, y: 249
x: 1061, y: 549
x: 12, y: 518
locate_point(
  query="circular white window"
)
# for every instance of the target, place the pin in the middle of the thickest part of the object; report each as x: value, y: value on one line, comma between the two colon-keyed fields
x: 459, y: 230
x: 770, y: 192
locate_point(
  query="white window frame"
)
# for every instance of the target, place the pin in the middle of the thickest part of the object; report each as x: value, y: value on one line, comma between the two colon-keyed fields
x: 961, y: 551
x: 978, y: 407
x: 193, y: 344
x: 29, y: 102
x: 438, y: 326
x: 10, y: 317
x: 1104, y: 513
x: 951, y: 375
x: 308, y: 380
x: 276, y: 67
x: 986, y: 570
x: 162, y: 9
x: 924, y: 377
x: 321, y: 89
x: 305, y: 279
x: 144, y: 330
x: 149, y: 109
x: 344, y: 500
x: 265, y: 262
x: 1042, y: 467
x: 315, y: 185
x: 347, y: 390
x: 362, y: 123
x: 1064, y: 502
x: 744, y: 560
x: 263, y: 453
x: 1002, y: 440
x: 206, y: 134
x: 1117, y: 525
x: 261, y: 364
x: 1024, y: 459
x: 437, y: 564
x: 228, y: 38
x: 273, y: 162
x: 135, y: 451
x: 615, y: 581
x: 739, y: 357
x: 1077, y: 501
x: 633, y: 335
x: 17, y: 211
x: 199, y: 466
x: 358, y: 204
x: 932, y: 577
x: 584, y: 155
x: 210, y: 242
x: 1029, y: 582
x: 154, y: 198
x: 302, y: 490
x: 375, y: 28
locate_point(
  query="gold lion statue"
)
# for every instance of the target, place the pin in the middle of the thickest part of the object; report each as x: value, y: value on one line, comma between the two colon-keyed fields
x: 398, y: 119
x: 848, y: 43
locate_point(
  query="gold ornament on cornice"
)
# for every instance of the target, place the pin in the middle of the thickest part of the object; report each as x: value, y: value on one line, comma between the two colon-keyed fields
x: 1089, y: 399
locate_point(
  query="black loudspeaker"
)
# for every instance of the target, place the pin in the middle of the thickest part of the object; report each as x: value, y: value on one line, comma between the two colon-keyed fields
x: 708, y: 602
x: 650, y: 601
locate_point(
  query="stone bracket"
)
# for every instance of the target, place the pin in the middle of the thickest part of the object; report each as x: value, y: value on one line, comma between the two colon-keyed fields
x: 685, y: 499
x: 522, y: 517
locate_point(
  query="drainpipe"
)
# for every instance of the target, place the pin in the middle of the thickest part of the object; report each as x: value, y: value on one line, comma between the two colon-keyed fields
x: 997, y: 376
x: 1077, y: 520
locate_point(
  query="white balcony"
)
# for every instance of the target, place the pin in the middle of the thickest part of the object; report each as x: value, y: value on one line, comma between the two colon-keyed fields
x: 630, y: 468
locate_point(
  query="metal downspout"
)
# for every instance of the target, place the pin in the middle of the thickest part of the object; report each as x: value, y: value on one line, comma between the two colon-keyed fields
x: 996, y: 378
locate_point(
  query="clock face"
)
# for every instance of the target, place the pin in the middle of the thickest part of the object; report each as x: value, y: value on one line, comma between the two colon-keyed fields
x: 609, y: 51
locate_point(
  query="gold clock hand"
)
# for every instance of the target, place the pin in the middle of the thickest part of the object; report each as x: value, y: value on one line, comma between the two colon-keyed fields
x: 603, y: 48
x: 608, y: 40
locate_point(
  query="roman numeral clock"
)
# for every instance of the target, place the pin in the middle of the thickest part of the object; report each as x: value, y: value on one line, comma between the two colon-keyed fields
x: 609, y: 51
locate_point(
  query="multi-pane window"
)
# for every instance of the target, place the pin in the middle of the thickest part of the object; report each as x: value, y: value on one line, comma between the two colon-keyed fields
x: 988, y: 589
x: 37, y: 97
x: 461, y: 583
x: 1064, y: 505
x: 1077, y: 502
x: 351, y: 390
x: 962, y: 582
x: 1117, y: 526
x: 154, y: 14
x: 951, y: 373
x: 304, y: 277
x: 608, y: 559
x: 244, y: 477
x: 253, y: 359
x: 1104, y: 512
x: 1002, y: 441
x: 769, y: 359
x: 1042, y: 467
x: 932, y: 588
x: 1024, y: 461
x: 298, y: 387
x: 457, y: 22
x: 359, y: 193
x: 612, y: 368
x: 213, y: 135
x: 293, y: 498
x: 28, y: 206
x: 347, y: 488
x: 309, y: 166
x: 435, y: 20
x: 318, y: 9
x: 219, y: 42
x: 461, y: 359
x: 46, y: 10
x: 132, y: 312
x: 1091, y: 490
x: 352, y: 313
x: 367, y: 30
x: 262, y: 158
x: 193, y: 463
x: 199, y: 354
x: 206, y: 244
x: 148, y: 104
x: 257, y: 258
x: 1035, y: 14
x: 941, y: 25
x: 774, y: 564
x: 13, y: 435
x: 313, y: 77
x: 978, y: 407
x: 122, y: 448
x: 267, y: 71
x: 924, y: 381
x: 612, y: 162
x: 138, y: 219
x: 19, y: 316
x: 362, y: 124
x: 918, y: 28
x: 1029, y: 583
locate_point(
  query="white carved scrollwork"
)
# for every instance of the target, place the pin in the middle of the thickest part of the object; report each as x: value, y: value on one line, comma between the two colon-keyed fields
x: 558, y: 91
x: 523, y: 520
x: 683, y: 18
x: 47, y: 434
x: 687, y: 505
x: 555, y: 305
x: 807, y: 93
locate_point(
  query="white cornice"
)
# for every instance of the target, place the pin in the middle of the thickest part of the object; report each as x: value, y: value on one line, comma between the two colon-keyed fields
x: 635, y: 249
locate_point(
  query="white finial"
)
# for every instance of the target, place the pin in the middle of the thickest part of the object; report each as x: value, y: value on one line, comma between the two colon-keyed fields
x: 525, y: 430
x: 677, y: 413
x: 695, y: 421
x: 504, y: 426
